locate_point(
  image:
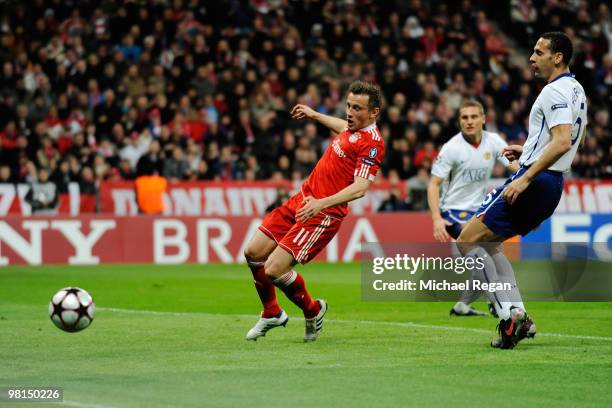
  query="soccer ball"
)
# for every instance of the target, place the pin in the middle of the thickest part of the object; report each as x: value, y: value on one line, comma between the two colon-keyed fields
x: 72, y: 309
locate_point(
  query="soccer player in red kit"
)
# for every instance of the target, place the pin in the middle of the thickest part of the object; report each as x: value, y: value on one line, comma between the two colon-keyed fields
x: 299, y: 229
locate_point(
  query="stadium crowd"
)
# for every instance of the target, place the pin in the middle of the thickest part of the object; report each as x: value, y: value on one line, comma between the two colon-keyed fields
x: 199, y: 90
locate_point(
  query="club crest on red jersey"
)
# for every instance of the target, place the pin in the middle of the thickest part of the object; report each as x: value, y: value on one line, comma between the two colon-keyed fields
x: 354, y: 137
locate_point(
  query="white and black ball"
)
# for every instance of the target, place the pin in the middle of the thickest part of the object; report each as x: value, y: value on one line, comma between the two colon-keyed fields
x: 72, y: 309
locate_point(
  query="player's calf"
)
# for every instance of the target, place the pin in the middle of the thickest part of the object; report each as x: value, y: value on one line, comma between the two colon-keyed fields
x: 293, y: 285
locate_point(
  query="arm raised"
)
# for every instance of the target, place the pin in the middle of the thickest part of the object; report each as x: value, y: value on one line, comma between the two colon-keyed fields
x: 336, y: 125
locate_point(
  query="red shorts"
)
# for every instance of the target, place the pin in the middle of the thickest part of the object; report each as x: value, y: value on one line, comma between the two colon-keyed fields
x: 303, y: 240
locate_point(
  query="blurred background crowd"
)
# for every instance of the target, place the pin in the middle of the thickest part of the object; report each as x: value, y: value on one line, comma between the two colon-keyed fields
x: 201, y: 90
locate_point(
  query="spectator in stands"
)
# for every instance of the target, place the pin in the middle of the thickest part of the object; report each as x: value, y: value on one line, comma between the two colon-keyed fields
x: 282, y: 195
x: 417, y: 186
x: 126, y: 171
x: 6, y: 174
x: 132, y: 150
x: 393, y: 203
x: 176, y: 167
x: 87, y: 181
x: 107, y: 114
x: 43, y: 196
x: 427, y: 154
x: 513, y: 132
x: 524, y: 16
x: 152, y: 161
x: 62, y: 176
x: 89, y: 78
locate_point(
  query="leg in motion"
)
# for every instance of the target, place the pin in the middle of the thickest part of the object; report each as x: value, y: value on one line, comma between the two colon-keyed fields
x: 506, y: 274
x: 513, y: 320
x: 279, y: 269
x: 463, y: 306
x: 256, y: 253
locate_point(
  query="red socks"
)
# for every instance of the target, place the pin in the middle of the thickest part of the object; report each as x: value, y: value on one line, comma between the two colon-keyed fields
x: 265, y: 290
x: 291, y: 283
x: 294, y: 287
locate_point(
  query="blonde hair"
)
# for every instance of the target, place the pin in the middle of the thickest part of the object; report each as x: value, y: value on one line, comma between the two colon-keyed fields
x: 471, y: 103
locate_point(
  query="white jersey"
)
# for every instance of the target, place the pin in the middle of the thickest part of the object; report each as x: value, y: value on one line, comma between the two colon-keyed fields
x: 467, y: 168
x: 561, y: 102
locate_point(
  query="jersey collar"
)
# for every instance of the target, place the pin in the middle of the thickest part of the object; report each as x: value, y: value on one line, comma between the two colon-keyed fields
x: 565, y: 74
x: 474, y: 145
x: 367, y: 128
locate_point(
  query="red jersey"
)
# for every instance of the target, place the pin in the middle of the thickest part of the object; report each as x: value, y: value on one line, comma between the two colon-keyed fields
x: 350, y: 154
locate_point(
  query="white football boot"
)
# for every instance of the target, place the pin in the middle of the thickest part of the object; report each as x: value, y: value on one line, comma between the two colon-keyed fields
x: 263, y: 325
x: 314, y: 326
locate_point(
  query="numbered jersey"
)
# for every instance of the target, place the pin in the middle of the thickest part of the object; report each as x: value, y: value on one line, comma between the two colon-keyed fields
x: 466, y: 169
x: 350, y: 155
x: 561, y: 102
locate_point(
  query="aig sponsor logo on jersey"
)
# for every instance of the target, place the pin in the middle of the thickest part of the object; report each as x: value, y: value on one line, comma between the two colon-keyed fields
x: 477, y: 174
x: 337, y: 149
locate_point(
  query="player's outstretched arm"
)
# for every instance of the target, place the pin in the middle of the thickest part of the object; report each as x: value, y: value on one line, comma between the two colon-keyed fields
x: 513, y: 152
x: 314, y: 206
x: 433, y: 199
x: 560, y: 143
x: 300, y: 111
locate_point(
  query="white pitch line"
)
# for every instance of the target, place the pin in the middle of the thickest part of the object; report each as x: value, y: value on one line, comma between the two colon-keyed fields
x: 367, y: 322
x: 79, y: 404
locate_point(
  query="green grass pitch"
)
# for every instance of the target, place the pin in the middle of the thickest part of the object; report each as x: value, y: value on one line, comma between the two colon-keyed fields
x: 174, y: 336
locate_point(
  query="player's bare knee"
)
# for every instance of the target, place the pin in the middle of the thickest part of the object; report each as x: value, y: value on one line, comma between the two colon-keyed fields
x: 250, y: 254
x: 271, y: 268
x: 462, y: 239
x: 274, y: 268
x: 464, y: 243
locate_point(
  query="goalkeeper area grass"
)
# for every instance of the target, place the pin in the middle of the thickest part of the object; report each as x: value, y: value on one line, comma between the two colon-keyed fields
x: 174, y: 336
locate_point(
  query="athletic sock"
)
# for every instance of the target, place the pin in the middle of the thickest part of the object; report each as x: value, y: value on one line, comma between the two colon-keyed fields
x: 265, y: 290
x: 506, y: 274
x: 489, y: 275
x: 468, y: 296
x: 293, y: 285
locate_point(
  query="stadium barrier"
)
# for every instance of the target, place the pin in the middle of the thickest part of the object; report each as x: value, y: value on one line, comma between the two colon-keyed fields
x: 100, y: 239
x: 213, y: 199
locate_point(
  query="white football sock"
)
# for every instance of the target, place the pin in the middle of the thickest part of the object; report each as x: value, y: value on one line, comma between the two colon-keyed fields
x: 488, y: 274
x: 506, y: 274
x: 471, y: 295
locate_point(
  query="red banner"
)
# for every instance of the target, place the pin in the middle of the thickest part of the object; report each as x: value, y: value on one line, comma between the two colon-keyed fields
x: 220, y: 199
x: 238, y: 199
x: 165, y: 240
x: 223, y: 198
x: 196, y: 198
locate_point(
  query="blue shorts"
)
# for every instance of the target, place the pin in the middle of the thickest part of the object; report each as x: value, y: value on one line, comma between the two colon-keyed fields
x: 534, y: 205
x: 457, y: 218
